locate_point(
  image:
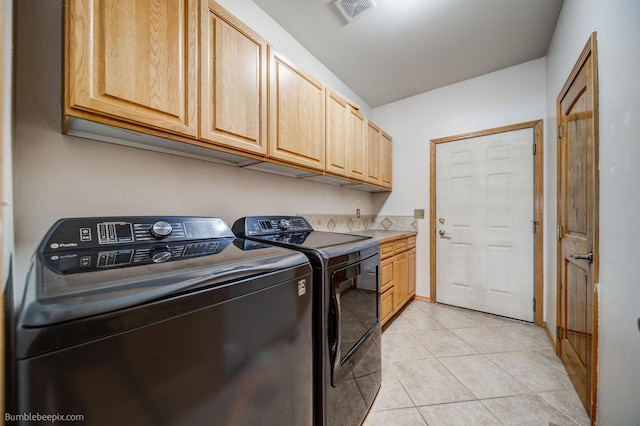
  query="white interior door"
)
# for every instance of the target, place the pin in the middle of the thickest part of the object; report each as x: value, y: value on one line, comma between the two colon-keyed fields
x: 484, y: 214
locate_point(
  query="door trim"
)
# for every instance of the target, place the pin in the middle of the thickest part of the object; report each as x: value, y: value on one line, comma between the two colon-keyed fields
x: 538, y: 203
x: 590, y: 49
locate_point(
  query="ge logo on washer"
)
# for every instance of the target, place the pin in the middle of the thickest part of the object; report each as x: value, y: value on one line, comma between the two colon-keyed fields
x: 302, y: 287
x: 62, y: 245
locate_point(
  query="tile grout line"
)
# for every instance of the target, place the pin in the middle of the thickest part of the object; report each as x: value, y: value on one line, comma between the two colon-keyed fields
x: 531, y: 346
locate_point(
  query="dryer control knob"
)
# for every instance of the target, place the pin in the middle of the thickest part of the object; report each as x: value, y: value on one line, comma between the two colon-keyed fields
x: 161, y: 229
x: 160, y: 255
x: 285, y: 224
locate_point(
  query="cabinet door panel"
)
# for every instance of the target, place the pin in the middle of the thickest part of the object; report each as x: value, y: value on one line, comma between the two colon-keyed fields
x: 358, y: 140
x: 386, y: 160
x: 233, y: 82
x: 134, y: 60
x: 336, y: 133
x: 411, y: 274
x: 296, y: 111
x: 386, y: 274
x: 400, y: 283
x: 386, y: 250
x: 386, y: 306
x: 373, y: 154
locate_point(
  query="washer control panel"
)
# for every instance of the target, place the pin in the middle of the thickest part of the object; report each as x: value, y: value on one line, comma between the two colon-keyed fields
x: 101, y: 232
x: 80, y: 261
x: 270, y: 225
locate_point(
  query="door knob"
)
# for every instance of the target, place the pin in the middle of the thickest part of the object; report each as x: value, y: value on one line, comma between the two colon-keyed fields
x: 442, y: 233
x: 586, y: 256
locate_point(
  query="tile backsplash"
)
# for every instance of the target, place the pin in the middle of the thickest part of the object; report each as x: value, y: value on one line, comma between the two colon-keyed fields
x: 352, y: 223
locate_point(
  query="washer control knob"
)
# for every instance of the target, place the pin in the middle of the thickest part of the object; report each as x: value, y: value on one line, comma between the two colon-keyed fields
x: 160, y: 255
x: 161, y: 229
x: 285, y: 224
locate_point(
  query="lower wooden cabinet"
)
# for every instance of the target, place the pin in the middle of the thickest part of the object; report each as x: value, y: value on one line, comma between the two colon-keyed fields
x: 400, y: 275
x: 411, y: 268
x: 397, y: 275
x: 386, y: 305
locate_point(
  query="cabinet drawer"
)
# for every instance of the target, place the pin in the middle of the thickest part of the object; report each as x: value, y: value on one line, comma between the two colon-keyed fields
x: 400, y: 245
x: 386, y: 305
x: 411, y: 242
x: 386, y: 250
x: 386, y: 275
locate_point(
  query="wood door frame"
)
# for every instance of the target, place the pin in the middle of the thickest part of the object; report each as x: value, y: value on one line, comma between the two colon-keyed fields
x: 538, y: 203
x: 590, y: 49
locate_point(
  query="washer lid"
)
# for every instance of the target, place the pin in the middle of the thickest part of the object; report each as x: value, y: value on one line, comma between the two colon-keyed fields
x: 77, y: 284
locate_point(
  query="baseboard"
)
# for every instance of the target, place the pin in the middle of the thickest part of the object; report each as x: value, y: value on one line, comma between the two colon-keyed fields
x: 550, y: 336
x: 424, y: 299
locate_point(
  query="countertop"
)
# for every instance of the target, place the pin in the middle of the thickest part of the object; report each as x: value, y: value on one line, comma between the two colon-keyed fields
x: 386, y: 236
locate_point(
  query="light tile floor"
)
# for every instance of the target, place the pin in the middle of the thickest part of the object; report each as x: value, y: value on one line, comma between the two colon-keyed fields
x: 443, y: 365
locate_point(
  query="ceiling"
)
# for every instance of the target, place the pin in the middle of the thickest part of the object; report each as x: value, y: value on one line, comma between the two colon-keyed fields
x: 405, y: 47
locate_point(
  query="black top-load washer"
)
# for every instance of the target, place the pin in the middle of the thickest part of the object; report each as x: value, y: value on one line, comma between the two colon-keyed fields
x: 162, y: 321
x: 346, y: 311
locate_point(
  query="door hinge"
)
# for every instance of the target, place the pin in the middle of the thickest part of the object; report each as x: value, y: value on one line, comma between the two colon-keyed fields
x: 534, y: 149
x: 558, y: 329
x: 560, y: 131
x: 534, y: 305
x: 559, y: 232
x: 535, y: 226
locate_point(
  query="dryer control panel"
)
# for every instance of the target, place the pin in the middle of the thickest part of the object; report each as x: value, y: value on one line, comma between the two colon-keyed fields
x: 270, y: 225
x: 100, y: 232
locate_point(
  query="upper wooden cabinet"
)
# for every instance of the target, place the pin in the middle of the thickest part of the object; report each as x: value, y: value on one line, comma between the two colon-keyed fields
x: 373, y: 154
x: 379, y: 157
x: 386, y: 160
x: 345, y: 138
x: 296, y: 115
x: 134, y: 60
x: 233, y: 82
x: 357, y: 147
x: 187, y: 77
x: 337, y: 134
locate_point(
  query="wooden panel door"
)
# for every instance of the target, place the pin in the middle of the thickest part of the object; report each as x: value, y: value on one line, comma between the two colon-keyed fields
x: 337, y: 136
x: 296, y: 115
x: 578, y: 224
x: 233, y: 82
x: 373, y: 154
x: 386, y: 160
x: 357, y: 146
x: 134, y: 60
x: 484, y: 204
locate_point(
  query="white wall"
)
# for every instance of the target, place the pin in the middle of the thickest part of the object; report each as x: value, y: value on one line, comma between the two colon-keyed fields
x: 617, y: 23
x: 59, y: 176
x: 509, y: 96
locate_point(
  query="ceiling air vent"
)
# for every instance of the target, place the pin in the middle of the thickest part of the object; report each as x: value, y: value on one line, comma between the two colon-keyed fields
x: 352, y: 9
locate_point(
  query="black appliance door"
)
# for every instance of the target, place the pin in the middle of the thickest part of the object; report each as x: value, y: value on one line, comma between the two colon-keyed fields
x: 240, y: 360
x: 354, y: 314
